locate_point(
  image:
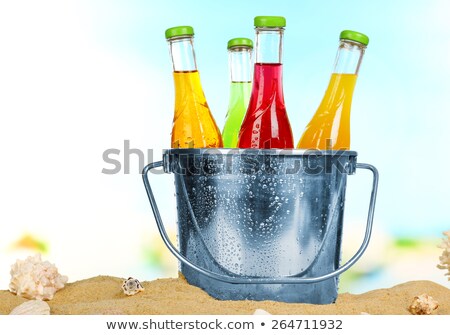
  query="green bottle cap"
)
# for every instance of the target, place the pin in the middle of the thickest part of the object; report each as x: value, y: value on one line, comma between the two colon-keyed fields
x: 354, y: 36
x: 179, y: 31
x: 240, y: 42
x: 270, y: 21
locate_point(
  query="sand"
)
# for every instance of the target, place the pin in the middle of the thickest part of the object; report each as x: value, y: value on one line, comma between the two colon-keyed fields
x: 103, y: 295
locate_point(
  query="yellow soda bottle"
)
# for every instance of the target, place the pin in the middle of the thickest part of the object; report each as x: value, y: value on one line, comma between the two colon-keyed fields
x: 193, y: 123
x: 329, y: 129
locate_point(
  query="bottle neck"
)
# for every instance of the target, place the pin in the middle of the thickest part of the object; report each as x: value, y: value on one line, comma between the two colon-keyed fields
x: 182, y: 53
x: 349, y: 57
x: 240, y: 62
x: 269, y: 45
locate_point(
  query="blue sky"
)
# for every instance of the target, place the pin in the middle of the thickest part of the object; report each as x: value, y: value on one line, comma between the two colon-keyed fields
x: 399, y: 116
x: 79, y: 77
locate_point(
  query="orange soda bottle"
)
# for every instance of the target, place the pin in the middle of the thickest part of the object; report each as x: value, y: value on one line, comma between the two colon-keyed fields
x: 193, y: 123
x: 329, y: 129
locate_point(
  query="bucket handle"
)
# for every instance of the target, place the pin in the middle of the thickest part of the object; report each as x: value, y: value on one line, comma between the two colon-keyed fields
x: 264, y: 280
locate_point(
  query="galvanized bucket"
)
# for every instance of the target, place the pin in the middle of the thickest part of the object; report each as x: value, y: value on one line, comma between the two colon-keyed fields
x: 261, y: 224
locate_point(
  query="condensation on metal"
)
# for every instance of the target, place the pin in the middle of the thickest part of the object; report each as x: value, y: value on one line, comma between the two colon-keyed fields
x: 261, y: 224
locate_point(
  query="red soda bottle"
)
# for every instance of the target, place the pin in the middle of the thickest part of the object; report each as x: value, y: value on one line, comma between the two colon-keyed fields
x: 266, y: 124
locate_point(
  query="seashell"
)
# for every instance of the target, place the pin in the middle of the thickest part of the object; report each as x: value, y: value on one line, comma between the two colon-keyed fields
x: 445, y: 257
x: 132, y: 286
x: 34, y: 279
x: 32, y: 307
x: 423, y: 305
x: 261, y: 312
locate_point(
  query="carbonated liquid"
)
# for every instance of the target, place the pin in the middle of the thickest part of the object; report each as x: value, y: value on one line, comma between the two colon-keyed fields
x: 330, y: 126
x: 193, y: 124
x: 239, y: 97
x: 266, y: 124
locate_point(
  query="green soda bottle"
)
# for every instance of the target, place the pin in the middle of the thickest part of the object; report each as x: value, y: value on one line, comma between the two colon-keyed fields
x: 240, y: 64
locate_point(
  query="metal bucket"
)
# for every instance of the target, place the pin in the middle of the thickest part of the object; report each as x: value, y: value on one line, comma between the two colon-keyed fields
x: 261, y: 224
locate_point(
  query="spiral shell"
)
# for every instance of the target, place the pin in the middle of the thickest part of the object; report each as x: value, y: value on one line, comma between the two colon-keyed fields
x: 34, y: 279
x: 132, y: 286
x: 423, y: 305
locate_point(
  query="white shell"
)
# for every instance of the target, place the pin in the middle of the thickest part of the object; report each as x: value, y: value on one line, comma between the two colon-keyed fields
x: 445, y: 257
x: 423, y: 305
x: 261, y: 312
x: 132, y: 286
x: 32, y: 307
x: 34, y: 279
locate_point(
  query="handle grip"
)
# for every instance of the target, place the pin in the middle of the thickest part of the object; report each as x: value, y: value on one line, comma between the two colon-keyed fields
x: 264, y: 280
